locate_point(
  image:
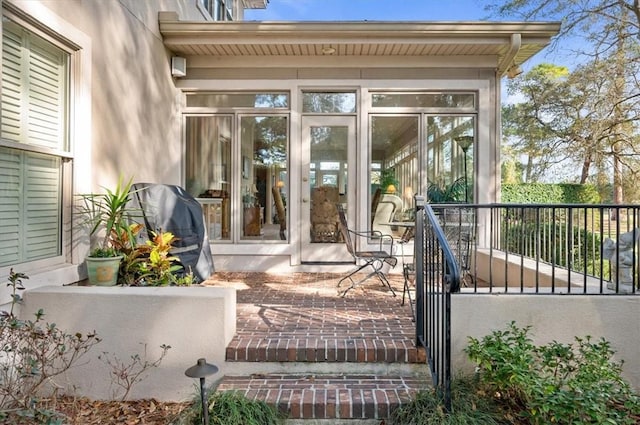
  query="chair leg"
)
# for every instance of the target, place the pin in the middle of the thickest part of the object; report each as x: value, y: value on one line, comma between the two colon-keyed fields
x: 407, y: 290
x: 376, y: 272
x: 353, y: 283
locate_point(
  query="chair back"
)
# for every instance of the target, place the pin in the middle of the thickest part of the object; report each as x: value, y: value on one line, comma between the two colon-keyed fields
x: 282, y: 215
x: 344, y: 230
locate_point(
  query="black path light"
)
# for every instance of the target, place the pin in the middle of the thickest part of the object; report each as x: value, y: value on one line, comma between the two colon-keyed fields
x: 201, y: 370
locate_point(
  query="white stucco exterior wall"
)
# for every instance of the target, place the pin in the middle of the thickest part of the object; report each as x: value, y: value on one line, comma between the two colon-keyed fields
x: 195, y: 321
x: 552, y: 317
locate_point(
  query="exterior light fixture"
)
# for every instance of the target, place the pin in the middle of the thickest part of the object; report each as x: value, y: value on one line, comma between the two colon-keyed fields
x: 178, y: 66
x: 513, y: 71
x: 201, y: 370
x: 465, y: 143
x: 328, y: 50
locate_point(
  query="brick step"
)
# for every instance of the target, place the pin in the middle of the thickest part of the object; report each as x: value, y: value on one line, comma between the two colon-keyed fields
x: 324, y: 350
x: 328, y: 397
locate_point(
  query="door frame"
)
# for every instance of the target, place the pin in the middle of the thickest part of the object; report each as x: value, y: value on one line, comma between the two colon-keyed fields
x: 318, y: 252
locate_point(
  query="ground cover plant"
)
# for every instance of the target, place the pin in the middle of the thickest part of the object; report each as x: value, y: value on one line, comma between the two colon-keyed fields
x: 232, y: 408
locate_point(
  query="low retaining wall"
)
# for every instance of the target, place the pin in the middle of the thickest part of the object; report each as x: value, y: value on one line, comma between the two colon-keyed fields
x: 195, y: 321
x: 552, y: 317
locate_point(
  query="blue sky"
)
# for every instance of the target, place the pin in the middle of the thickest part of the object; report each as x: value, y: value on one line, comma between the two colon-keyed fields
x: 371, y: 10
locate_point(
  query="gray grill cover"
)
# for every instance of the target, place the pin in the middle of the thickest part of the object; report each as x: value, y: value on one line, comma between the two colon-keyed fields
x: 167, y: 208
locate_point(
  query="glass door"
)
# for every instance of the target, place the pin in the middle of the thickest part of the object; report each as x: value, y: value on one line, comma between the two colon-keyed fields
x: 328, y: 178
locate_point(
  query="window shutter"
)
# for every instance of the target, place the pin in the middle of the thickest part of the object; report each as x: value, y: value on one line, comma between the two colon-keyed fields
x: 12, y: 82
x: 46, y: 101
x: 42, y: 206
x: 10, y: 170
x: 34, y: 112
x: 34, y: 87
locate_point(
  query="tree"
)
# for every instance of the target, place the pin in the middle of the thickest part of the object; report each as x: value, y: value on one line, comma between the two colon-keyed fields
x: 573, y: 118
x: 604, y: 125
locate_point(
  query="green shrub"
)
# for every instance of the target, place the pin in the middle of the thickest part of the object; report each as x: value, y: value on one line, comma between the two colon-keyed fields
x: 469, y: 405
x: 544, y: 193
x: 554, y: 383
x: 232, y: 408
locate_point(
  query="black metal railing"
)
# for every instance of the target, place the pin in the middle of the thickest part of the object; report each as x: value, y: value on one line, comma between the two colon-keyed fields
x: 544, y: 248
x: 437, y: 275
x: 524, y: 249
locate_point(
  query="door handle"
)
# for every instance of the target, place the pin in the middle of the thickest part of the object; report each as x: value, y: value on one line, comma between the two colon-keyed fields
x: 305, y: 200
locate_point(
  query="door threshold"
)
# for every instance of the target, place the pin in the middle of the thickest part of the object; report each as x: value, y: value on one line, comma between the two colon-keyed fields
x: 326, y: 263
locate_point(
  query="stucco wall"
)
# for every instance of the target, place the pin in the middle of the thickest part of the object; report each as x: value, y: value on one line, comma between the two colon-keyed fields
x: 196, y: 322
x: 553, y: 317
x: 134, y: 103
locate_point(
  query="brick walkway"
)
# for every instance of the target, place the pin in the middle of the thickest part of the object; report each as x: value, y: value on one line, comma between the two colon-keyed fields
x: 299, y: 319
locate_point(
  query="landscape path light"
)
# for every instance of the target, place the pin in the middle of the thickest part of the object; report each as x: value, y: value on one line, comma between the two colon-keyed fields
x: 201, y: 370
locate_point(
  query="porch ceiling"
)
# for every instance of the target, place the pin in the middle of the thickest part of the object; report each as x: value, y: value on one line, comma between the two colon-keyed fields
x: 508, y: 43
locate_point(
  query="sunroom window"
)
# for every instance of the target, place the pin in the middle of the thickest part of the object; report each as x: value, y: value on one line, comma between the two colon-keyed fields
x: 34, y: 145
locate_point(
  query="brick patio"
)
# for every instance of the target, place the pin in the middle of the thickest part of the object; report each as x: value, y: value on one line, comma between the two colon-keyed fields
x: 318, y: 356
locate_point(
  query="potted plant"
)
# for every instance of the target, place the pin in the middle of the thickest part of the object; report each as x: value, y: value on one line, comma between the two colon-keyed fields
x: 447, y: 194
x: 107, y: 215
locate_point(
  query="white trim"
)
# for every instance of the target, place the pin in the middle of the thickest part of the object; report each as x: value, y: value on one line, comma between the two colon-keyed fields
x: 363, y: 88
x: 79, y: 45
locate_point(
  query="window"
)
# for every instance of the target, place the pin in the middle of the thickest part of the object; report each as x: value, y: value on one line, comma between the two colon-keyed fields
x: 420, y: 143
x: 34, y: 144
x: 218, y: 10
x: 263, y: 143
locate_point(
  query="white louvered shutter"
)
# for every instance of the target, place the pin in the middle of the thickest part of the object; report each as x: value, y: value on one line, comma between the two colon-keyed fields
x: 34, y: 102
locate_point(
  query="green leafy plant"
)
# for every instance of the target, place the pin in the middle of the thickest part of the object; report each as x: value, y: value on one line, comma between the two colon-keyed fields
x: 109, y: 213
x: 554, y: 383
x: 232, y: 408
x: 469, y: 405
x: 151, y: 264
x: 442, y: 194
x: 33, y: 353
x: 388, y: 178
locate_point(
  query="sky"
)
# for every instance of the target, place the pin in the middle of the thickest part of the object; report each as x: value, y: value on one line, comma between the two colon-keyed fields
x: 370, y: 10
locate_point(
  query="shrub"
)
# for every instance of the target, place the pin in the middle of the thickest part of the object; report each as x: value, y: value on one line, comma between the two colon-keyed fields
x: 32, y: 354
x: 469, y: 405
x: 554, y: 383
x: 232, y: 408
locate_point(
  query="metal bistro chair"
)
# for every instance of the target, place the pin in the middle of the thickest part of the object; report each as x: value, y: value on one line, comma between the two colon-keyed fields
x: 374, y: 259
x: 408, y: 269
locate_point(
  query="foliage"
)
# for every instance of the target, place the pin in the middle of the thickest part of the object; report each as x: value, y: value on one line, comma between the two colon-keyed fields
x: 469, y: 405
x: 33, y: 354
x: 442, y: 194
x: 554, y: 383
x: 232, y: 408
x: 151, y: 264
x: 546, y: 193
x: 387, y: 178
x: 555, y: 243
x: 108, y: 212
x: 595, y: 114
x: 126, y: 375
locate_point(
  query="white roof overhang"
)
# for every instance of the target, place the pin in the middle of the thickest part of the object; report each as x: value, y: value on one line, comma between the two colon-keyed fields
x: 505, y: 43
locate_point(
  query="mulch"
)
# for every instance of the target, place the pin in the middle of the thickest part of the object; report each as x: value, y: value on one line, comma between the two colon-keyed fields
x: 82, y: 411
